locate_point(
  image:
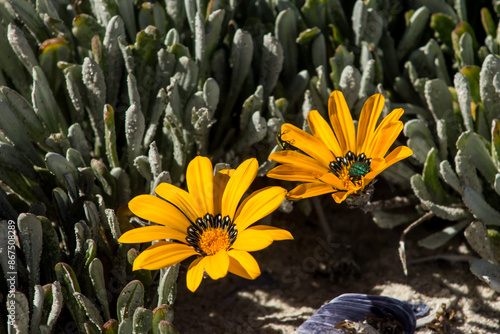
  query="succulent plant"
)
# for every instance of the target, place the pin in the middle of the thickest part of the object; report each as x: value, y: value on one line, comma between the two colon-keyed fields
x: 103, y: 100
x: 454, y: 136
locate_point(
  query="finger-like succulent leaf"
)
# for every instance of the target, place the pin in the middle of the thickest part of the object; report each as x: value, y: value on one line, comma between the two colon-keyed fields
x: 131, y: 297
x: 166, y: 290
x: 449, y: 176
x: 466, y: 171
x: 143, y: 320
x: 413, y: 31
x: 271, y: 63
x: 21, y: 314
x: 69, y: 284
x: 477, y: 237
x: 31, y: 238
x: 480, y: 208
x: 90, y: 309
x: 487, y: 271
x: 440, y: 238
x: 473, y: 148
x: 489, y: 97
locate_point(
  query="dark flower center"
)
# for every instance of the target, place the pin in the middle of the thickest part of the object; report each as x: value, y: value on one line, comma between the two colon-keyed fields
x: 352, y: 166
x: 211, y: 234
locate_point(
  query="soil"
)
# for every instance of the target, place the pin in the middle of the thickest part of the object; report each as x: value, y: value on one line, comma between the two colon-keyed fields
x: 301, y: 275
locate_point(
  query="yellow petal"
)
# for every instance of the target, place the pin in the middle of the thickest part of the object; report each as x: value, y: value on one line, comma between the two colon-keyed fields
x: 216, y: 265
x: 332, y: 180
x: 273, y: 232
x: 237, y: 185
x: 399, y: 153
x: 342, y: 123
x: 229, y: 172
x: 306, y: 143
x: 180, y: 198
x: 378, y: 136
x: 194, y: 274
x: 199, y: 178
x: 298, y: 160
x: 163, y: 254
x: 236, y: 268
x: 220, y: 182
x: 320, y: 129
x: 258, y: 205
x: 386, y: 138
x: 151, y: 233
x: 377, y: 165
x: 158, y: 211
x: 340, y: 196
x: 307, y: 190
x: 252, y: 240
x: 368, y: 120
x: 243, y: 264
x: 290, y: 173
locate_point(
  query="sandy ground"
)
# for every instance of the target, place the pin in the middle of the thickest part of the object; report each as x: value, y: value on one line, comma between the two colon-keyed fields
x: 301, y: 275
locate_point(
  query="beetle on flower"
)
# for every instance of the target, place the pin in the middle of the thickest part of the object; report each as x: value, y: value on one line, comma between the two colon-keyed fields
x: 207, y: 222
x: 338, y: 161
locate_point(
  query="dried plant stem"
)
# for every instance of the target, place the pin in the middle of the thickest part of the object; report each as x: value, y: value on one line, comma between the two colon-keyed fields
x: 402, y: 252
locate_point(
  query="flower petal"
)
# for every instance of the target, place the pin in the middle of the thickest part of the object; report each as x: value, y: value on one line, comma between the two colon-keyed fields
x: 199, y: 178
x: 320, y: 129
x: 378, y: 136
x: 163, y: 254
x: 220, y: 182
x: 194, y: 274
x: 252, y: 240
x: 275, y: 232
x: 237, y: 185
x: 340, y: 196
x: 258, y: 205
x: 158, y: 211
x: 217, y: 265
x: 377, y: 166
x: 387, y: 137
x: 151, y: 233
x: 236, y: 268
x: 306, y: 190
x: 342, y: 123
x: 398, y: 154
x: 332, y: 180
x: 368, y: 120
x: 307, y: 143
x: 243, y: 264
x: 289, y: 172
x: 180, y: 198
x: 298, y: 160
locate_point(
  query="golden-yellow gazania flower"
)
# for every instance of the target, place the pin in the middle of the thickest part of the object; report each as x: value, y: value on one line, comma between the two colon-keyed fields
x: 207, y: 222
x: 338, y: 160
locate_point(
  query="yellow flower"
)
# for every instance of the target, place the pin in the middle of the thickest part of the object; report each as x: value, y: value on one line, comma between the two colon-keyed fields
x: 337, y: 161
x: 207, y: 222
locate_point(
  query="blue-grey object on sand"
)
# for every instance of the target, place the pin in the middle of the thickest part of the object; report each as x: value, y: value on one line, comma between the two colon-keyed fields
x: 353, y: 306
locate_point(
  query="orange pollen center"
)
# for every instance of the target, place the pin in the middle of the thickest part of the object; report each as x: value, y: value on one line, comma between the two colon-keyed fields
x: 349, y: 183
x: 209, y: 234
x: 214, y: 240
